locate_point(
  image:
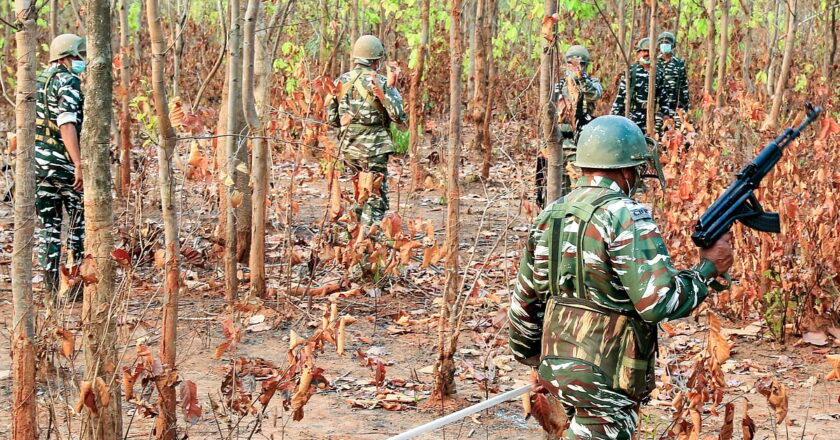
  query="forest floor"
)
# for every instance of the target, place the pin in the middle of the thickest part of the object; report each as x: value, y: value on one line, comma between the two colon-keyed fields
x: 396, y: 324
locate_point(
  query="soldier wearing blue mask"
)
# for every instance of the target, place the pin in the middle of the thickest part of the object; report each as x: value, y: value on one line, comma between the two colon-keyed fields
x: 675, y: 80
x: 57, y: 157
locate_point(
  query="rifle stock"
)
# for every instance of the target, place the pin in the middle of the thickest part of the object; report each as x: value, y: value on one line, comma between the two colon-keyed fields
x: 738, y: 202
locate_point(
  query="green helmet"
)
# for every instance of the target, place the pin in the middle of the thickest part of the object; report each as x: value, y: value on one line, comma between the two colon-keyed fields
x: 643, y: 44
x: 667, y: 36
x: 578, y: 51
x: 368, y: 47
x: 66, y: 45
x: 613, y: 142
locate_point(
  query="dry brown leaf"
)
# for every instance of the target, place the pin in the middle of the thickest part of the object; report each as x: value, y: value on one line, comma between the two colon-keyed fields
x: 236, y: 198
x: 834, y: 360
x: 549, y: 413
x: 68, y: 342
x: 526, y: 404
x: 776, y: 395
x: 747, y: 424
x: 547, y: 27
x: 86, y: 398
x: 342, y: 333
x: 718, y: 345
x: 728, y: 419
x: 88, y: 270
x: 189, y: 402
x: 103, y: 391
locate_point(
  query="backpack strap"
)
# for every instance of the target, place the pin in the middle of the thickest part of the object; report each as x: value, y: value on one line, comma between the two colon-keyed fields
x: 584, y: 213
x: 355, y: 84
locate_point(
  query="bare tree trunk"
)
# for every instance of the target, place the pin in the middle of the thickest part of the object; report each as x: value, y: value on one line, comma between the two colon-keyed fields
x: 781, y: 84
x: 650, y: 123
x: 484, y: 103
x: 24, y: 406
x: 165, y: 426
x: 771, y: 43
x: 125, y: 121
x: 445, y: 366
x: 722, y: 53
x: 177, y: 17
x: 260, y: 163
x: 472, y: 27
x: 478, y: 57
x: 621, y: 15
x: 830, y: 50
x: 710, y: 47
x: 548, y: 119
x: 98, y: 326
x: 231, y: 145
x: 418, y: 174
x: 53, y: 19
x: 747, y: 7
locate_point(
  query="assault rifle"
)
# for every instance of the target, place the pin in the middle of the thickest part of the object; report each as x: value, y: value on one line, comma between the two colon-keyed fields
x: 738, y: 202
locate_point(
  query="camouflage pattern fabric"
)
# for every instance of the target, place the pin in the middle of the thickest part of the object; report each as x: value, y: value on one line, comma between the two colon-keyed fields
x: 626, y: 269
x: 363, y: 109
x: 60, y: 101
x: 674, y: 83
x: 639, y: 95
x: 373, y: 210
x: 590, y: 92
x: 596, y: 412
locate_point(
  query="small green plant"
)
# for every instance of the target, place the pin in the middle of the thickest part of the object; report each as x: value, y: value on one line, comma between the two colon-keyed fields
x: 400, y: 139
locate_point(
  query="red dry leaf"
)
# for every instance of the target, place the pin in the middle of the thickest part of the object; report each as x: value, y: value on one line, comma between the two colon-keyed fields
x: 776, y: 395
x: 189, y: 402
x: 88, y: 270
x: 549, y: 413
x: 747, y: 424
x: 728, y: 418
x: 122, y: 257
x: 547, y: 27
x: 86, y: 398
x: 68, y: 342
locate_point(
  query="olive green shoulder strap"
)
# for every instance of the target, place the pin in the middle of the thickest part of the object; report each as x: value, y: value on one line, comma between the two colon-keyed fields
x: 584, y: 212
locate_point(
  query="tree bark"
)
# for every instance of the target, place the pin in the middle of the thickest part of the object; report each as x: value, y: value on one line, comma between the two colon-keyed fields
x: 24, y: 424
x: 165, y: 425
x: 781, y: 84
x: 482, y: 103
x: 260, y: 156
x: 650, y: 121
x: 550, y: 136
x: 830, y: 50
x: 98, y: 326
x: 231, y: 145
x: 445, y: 367
x: 746, y: 77
x: 722, y: 53
x: 53, y: 19
x: 125, y: 118
x: 418, y: 173
x: 710, y: 47
x: 177, y: 18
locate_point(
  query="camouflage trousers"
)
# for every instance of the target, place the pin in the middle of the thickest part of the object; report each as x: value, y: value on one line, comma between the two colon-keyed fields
x: 596, y: 411
x: 372, y: 210
x: 52, y: 195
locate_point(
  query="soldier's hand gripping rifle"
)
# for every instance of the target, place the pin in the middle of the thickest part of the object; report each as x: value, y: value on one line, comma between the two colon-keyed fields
x: 738, y: 202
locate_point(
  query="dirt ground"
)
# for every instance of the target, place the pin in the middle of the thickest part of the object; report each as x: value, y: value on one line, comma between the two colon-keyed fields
x: 493, y: 217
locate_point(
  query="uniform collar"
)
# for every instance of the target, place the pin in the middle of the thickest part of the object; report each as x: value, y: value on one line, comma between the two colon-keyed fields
x: 599, y: 182
x: 363, y: 68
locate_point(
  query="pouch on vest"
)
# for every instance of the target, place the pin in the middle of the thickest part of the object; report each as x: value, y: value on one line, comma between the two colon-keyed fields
x: 620, y: 344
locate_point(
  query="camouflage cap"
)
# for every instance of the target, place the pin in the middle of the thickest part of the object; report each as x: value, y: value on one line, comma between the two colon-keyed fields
x: 368, y: 47
x: 612, y: 142
x: 643, y: 44
x: 578, y: 51
x: 66, y: 45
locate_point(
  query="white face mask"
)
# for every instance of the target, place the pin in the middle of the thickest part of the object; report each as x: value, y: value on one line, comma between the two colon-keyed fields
x: 665, y: 48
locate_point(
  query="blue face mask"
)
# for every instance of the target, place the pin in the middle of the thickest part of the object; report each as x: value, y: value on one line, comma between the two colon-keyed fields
x: 78, y: 66
x: 665, y: 48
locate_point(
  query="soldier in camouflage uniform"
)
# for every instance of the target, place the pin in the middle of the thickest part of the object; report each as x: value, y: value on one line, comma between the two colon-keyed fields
x: 575, y: 96
x: 638, y: 93
x: 674, y: 78
x: 365, y: 106
x: 57, y: 156
x: 594, y: 280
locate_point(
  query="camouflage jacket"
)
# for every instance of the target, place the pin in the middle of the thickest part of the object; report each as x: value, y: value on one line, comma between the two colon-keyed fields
x: 675, y: 83
x: 627, y: 267
x: 364, y: 108
x: 638, y: 96
x: 60, y: 101
x: 590, y: 91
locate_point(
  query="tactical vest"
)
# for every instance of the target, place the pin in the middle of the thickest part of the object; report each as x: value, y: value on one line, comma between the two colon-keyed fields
x: 365, y: 94
x: 619, y: 343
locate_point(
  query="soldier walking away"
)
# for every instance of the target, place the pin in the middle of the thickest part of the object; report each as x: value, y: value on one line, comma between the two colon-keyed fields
x: 594, y: 281
x: 57, y: 157
x: 638, y: 90
x: 674, y: 78
x: 575, y: 96
x: 363, y: 110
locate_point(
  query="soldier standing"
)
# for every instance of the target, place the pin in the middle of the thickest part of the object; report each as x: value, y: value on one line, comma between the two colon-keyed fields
x: 638, y: 92
x: 674, y: 78
x: 57, y: 156
x: 366, y: 104
x: 594, y: 280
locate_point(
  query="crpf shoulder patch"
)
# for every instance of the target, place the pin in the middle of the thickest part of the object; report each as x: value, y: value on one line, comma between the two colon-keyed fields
x: 639, y: 212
